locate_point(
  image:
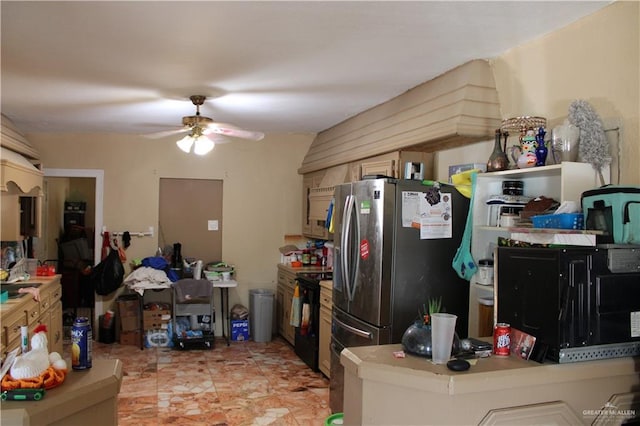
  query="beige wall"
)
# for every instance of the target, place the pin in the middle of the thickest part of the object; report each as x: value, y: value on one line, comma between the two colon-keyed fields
x: 262, y: 191
x: 595, y: 59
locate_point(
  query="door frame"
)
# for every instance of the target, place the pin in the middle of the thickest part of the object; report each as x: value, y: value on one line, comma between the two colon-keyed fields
x: 98, y: 175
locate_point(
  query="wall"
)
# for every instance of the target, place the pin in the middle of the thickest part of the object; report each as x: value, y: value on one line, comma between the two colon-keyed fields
x: 596, y: 59
x: 262, y: 190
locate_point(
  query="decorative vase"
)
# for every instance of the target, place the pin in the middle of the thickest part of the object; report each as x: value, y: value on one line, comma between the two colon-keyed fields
x: 498, y: 159
x: 564, y: 142
x: 417, y: 340
x: 541, y: 149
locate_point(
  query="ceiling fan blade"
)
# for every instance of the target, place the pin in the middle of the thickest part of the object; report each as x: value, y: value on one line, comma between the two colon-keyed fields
x: 164, y: 133
x: 230, y: 130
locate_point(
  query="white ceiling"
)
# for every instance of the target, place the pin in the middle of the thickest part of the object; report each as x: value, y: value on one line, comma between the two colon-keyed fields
x: 129, y: 67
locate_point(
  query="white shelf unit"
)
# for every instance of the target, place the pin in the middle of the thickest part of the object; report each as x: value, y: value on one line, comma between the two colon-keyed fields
x: 562, y: 182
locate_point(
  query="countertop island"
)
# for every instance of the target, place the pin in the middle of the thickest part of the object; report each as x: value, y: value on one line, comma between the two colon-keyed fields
x: 380, y: 389
x: 87, y: 397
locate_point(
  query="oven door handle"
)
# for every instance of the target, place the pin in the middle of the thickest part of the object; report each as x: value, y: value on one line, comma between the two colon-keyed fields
x: 354, y: 330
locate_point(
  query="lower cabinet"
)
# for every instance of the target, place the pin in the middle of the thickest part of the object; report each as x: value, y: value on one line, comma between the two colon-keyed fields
x: 47, y: 311
x: 55, y: 328
x: 324, y: 351
x: 286, y: 286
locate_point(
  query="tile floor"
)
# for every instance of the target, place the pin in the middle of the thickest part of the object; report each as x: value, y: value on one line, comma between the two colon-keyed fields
x: 246, y: 383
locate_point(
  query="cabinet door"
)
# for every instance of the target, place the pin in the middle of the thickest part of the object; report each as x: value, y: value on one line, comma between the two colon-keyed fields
x: 381, y: 167
x: 324, y: 351
x: 307, y: 184
x: 55, y: 327
x: 11, y: 331
x: 10, y: 223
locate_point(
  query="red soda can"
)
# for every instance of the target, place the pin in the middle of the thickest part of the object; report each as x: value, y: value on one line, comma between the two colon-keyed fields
x: 502, y: 339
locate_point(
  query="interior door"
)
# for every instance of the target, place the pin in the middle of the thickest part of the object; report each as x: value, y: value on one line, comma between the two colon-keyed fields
x: 191, y: 214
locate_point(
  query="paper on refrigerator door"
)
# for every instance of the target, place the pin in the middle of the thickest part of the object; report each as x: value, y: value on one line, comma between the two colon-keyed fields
x: 433, y: 221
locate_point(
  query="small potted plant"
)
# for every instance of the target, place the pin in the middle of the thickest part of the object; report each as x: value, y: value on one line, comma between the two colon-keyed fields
x: 417, y: 338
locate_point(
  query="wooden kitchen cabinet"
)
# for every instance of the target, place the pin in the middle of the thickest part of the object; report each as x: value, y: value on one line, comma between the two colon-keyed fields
x: 392, y: 164
x: 324, y: 350
x: 286, y: 287
x: 312, y: 227
x: 27, y: 311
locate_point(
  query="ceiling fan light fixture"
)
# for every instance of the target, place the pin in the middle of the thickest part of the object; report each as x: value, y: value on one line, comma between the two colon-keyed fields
x: 185, y: 143
x: 203, y: 145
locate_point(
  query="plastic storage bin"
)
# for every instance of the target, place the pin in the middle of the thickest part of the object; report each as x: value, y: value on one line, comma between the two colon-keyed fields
x: 261, y: 314
x: 559, y: 221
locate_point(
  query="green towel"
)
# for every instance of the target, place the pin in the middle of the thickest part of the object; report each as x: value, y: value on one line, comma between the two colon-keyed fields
x: 463, y: 262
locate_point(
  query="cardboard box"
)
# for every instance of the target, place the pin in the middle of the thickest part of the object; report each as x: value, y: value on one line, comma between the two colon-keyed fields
x: 129, y: 314
x: 131, y: 338
x: 129, y: 323
x: 239, y: 330
x: 128, y: 308
x: 156, y: 319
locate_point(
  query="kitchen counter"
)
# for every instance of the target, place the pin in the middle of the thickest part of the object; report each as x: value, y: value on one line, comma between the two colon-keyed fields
x: 12, y: 305
x: 495, y: 390
x: 305, y: 269
x: 86, y: 397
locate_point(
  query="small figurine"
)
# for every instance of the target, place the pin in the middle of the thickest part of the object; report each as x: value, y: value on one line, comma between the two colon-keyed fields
x: 541, y: 149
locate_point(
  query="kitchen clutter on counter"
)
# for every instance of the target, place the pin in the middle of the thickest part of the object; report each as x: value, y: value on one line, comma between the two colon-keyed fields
x: 314, y: 253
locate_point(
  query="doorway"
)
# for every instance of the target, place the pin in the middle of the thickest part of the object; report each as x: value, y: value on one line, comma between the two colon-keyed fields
x: 53, y: 210
x: 190, y: 213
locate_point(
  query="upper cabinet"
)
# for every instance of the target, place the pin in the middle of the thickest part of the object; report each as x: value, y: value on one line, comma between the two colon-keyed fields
x: 456, y: 108
x: 318, y: 187
x: 18, y: 175
x: 393, y: 164
x: 313, y: 223
x: 21, y: 181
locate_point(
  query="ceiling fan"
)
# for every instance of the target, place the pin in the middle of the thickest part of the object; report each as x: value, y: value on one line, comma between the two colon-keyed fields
x: 203, y: 131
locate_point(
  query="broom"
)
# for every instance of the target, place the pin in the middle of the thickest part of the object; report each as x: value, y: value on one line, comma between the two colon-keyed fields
x: 593, y: 146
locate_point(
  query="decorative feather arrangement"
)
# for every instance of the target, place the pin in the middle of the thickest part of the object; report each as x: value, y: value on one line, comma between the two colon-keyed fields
x: 593, y: 146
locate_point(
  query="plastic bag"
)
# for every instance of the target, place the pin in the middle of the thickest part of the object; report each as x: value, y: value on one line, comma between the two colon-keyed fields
x: 239, y: 312
x: 108, y: 275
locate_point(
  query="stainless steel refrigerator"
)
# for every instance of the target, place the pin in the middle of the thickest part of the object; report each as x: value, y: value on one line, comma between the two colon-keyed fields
x: 394, y: 243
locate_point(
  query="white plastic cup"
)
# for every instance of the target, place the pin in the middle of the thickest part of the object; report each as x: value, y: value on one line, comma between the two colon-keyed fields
x: 443, y: 327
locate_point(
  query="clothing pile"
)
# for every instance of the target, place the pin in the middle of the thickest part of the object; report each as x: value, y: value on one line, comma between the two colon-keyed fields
x: 147, y: 278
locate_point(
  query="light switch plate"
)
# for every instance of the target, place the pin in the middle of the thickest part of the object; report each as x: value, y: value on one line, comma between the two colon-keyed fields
x: 212, y: 225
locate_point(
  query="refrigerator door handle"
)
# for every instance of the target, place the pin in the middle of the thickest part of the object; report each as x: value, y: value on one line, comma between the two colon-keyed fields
x: 354, y: 330
x: 346, y: 228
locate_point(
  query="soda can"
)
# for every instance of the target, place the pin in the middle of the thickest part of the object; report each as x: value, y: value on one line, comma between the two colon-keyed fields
x: 81, y: 339
x: 502, y: 339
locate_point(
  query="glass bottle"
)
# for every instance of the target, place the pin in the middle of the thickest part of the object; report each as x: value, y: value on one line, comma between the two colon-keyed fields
x: 498, y: 159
